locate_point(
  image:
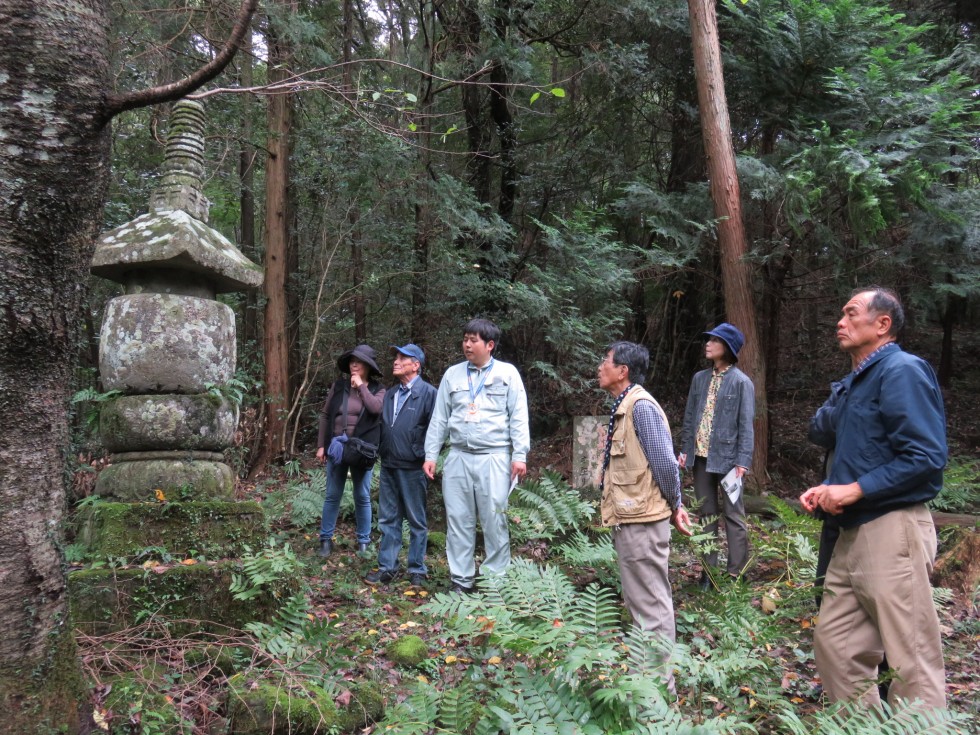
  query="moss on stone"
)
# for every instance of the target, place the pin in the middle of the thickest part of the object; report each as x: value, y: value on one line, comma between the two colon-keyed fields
x: 366, y: 706
x: 214, y: 528
x: 45, y: 699
x: 437, y: 541
x: 409, y: 650
x: 176, y: 479
x: 198, y: 595
x: 269, y: 708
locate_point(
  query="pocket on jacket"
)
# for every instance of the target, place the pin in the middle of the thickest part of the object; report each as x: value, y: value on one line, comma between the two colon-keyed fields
x: 497, y: 395
x: 626, y: 494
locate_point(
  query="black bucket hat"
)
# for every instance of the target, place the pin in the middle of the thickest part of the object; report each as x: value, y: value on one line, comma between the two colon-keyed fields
x: 364, y: 353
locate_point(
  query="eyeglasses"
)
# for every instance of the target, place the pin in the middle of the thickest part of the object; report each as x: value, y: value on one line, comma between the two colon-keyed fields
x: 608, y: 360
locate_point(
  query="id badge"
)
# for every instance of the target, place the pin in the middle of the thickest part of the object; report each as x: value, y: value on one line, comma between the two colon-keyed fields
x: 472, y: 413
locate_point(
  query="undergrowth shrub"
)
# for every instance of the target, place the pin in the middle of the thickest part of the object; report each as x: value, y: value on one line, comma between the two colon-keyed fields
x: 961, y: 487
x: 578, y: 670
x: 546, y: 507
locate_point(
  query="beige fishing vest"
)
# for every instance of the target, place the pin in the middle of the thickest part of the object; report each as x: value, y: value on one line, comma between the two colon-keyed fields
x: 631, y: 494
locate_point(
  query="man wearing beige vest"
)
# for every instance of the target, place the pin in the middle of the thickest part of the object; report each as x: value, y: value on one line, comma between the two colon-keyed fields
x: 641, y: 490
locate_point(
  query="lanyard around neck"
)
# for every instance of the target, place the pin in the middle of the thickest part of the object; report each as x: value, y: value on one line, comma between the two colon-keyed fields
x: 479, y: 387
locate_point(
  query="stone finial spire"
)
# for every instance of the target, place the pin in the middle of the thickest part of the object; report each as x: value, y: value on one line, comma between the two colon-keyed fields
x: 171, y: 249
x: 181, y: 185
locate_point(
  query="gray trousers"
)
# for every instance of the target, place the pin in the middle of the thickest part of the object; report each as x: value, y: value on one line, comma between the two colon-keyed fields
x: 642, y: 550
x: 476, y: 486
x: 706, y: 490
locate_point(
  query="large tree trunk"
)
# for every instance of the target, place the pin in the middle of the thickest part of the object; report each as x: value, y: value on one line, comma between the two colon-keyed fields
x: 275, y: 326
x: 54, y: 162
x: 735, y: 273
x: 353, y: 213
x: 53, y: 175
x: 423, y: 215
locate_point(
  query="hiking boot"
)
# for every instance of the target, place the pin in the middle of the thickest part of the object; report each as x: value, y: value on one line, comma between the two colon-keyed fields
x: 416, y: 579
x: 386, y: 576
x: 325, y: 548
x: 459, y: 589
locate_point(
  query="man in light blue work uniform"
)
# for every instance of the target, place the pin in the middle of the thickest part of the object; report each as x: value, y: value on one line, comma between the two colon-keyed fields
x: 481, y: 407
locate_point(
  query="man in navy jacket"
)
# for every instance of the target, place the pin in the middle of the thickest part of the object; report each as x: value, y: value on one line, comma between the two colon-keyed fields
x: 402, y: 488
x: 890, y: 452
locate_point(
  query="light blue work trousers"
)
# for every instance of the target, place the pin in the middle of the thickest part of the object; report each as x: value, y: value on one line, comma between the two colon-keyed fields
x: 476, y: 487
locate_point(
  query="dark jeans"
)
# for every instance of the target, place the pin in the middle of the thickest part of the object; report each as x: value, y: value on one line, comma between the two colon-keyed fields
x: 336, y: 480
x: 401, y: 497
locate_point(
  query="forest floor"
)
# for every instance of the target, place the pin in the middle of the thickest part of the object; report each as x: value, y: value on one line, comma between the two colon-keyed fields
x: 363, y: 619
x: 368, y: 617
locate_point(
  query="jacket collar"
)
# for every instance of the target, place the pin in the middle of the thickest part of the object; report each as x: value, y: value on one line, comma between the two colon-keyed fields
x: 879, y: 354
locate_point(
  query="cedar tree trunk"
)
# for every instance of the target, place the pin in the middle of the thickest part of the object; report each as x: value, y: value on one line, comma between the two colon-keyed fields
x: 735, y: 272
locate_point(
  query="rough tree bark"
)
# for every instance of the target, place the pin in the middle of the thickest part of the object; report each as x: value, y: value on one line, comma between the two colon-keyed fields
x: 54, y: 106
x: 735, y: 271
x: 277, y: 259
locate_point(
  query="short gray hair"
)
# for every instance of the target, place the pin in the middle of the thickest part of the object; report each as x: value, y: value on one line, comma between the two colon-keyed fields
x: 885, y: 301
x: 635, y: 358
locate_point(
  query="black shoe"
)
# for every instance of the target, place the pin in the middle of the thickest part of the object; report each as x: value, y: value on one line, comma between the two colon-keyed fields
x: 325, y: 548
x: 363, y: 549
x: 459, y: 589
x: 383, y: 577
x: 416, y: 579
x: 705, y: 584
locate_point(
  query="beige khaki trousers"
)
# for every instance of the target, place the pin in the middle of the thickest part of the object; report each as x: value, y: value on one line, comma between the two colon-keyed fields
x: 878, y: 602
x: 642, y: 550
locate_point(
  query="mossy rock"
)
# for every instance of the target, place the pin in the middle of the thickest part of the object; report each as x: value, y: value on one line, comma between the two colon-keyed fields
x: 270, y: 708
x: 408, y: 651
x: 165, y: 343
x: 200, y: 421
x: 196, y: 597
x: 178, y: 480
x: 437, y: 541
x: 365, y: 707
x: 213, y: 528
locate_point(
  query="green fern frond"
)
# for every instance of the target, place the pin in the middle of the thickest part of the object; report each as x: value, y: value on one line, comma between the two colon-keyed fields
x: 855, y: 718
x: 416, y: 715
x: 543, y: 704
x: 546, y: 507
x: 458, y: 708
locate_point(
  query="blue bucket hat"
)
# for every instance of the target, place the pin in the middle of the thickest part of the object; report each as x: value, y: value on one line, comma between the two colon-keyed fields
x: 730, y: 335
x: 411, y: 350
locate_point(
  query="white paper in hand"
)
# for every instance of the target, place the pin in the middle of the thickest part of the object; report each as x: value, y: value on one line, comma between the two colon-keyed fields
x: 513, y: 483
x: 732, y: 484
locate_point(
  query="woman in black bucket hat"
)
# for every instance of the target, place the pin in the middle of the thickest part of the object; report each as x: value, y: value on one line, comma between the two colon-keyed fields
x: 351, y: 415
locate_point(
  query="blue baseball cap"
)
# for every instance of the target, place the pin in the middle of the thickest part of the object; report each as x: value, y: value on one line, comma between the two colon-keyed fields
x: 410, y: 350
x: 730, y: 335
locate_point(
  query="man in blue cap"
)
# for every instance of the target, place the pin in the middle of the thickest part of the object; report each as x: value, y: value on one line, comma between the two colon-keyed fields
x: 717, y: 438
x: 405, y: 417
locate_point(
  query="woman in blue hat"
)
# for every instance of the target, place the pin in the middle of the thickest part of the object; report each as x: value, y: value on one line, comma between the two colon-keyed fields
x: 717, y: 438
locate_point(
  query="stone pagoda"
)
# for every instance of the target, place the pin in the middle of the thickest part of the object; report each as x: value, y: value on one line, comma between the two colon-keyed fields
x: 168, y: 346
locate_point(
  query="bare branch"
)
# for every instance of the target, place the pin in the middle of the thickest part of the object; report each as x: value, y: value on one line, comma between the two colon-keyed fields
x: 116, y: 104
